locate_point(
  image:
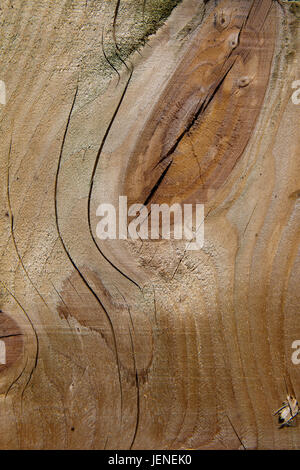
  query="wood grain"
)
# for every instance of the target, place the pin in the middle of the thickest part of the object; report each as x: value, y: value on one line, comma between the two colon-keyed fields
x: 142, y: 344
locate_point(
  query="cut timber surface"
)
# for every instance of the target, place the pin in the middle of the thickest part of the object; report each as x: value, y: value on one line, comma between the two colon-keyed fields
x: 143, y: 344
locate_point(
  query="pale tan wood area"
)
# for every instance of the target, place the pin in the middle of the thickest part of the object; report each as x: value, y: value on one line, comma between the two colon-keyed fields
x: 143, y: 344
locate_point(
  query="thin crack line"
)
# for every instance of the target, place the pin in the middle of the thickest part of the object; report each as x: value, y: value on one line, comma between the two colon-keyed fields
x: 71, y: 259
x: 93, y: 179
x: 236, y: 433
x: 137, y: 383
x: 107, y: 59
x: 11, y: 216
x: 11, y: 336
x: 34, y: 331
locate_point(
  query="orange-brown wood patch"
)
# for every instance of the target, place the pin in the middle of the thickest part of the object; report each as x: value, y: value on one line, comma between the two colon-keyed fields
x: 205, y: 116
